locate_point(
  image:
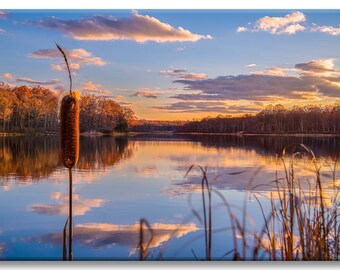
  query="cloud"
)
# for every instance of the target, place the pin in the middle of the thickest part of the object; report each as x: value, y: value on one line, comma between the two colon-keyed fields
x: 137, y: 27
x: 8, y: 76
x: 146, y: 94
x: 183, y: 73
x: 31, y: 81
x: 331, y: 30
x: 272, y: 72
x: 251, y: 65
x: 241, y: 29
x: 96, y: 88
x: 3, y: 14
x: 103, y: 235
x: 319, y: 67
x: 194, y: 76
x: 77, y: 56
x: 173, y: 72
x: 313, y: 79
x: 2, y: 30
x: 195, y: 107
x: 73, y: 66
x: 80, y: 206
x: 208, y: 106
x: 289, y: 24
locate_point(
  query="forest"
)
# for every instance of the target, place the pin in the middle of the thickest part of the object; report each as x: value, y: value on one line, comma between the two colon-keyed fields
x: 274, y: 119
x: 35, y: 109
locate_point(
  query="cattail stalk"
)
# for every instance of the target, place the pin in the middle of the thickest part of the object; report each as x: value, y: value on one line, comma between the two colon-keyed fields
x: 69, y: 128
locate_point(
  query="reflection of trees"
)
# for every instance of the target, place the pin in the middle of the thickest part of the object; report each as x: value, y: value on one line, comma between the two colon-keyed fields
x: 37, y: 157
x: 322, y: 146
x: 28, y: 157
x: 100, y: 152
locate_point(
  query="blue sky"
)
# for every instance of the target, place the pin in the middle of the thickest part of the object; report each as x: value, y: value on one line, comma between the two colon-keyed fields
x: 179, y: 64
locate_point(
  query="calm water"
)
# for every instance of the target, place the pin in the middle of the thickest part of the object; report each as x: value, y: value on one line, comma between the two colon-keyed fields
x: 120, y: 180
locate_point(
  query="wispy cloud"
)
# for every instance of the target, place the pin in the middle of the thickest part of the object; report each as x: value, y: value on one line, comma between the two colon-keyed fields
x: 80, y: 206
x: 73, y: 66
x: 8, y: 76
x: 173, y: 72
x: 182, y: 73
x: 289, y: 24
x: 94, y: 88
x: 251, y: 65
x: 276, y: 71
x: 331, y: 30
x: 3, y: 14
x: 194, y: 76
x: 31, y: 81
x: 137, y: 27
x: 208, y: 106
x: 101, y: 235
x: 77, y: 56
x: 146, y: 94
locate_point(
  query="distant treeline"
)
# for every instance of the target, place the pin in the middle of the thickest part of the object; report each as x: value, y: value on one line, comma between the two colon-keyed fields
x: 156, y: 126
x: 273, y: 119
x: 35, y: 109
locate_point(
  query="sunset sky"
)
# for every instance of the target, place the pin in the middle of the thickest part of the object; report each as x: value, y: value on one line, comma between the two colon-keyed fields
x: 178, y: 65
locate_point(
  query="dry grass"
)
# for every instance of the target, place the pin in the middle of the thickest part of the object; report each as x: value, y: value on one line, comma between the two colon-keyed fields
x: 300, y: 224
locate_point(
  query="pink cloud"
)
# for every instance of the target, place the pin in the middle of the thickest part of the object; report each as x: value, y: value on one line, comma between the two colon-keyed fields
x: 78, y: 56
x: 137, y: 27
x: 289, y: 24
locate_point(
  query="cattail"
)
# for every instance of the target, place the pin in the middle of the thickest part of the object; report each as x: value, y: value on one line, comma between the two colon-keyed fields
x: 69, y: 120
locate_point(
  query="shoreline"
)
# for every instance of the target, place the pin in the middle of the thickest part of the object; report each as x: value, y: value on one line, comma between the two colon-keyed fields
x: 113, y: 134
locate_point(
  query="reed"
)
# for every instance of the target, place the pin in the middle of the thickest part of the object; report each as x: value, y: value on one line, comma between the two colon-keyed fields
x: 300, y: 225
x: 303, y: 225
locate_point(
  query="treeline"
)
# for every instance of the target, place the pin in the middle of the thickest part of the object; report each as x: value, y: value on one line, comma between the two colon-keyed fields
x: 156, y: 126
x: 273, y: 119
x: 35, y: 109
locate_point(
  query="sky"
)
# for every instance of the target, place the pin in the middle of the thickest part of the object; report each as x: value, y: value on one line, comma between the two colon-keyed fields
x: 178, y: 64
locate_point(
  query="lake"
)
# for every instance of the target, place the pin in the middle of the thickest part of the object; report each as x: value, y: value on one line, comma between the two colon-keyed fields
x: 120, y: 180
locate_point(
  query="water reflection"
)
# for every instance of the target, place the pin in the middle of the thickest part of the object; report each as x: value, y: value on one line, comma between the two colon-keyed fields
x: 103, y: 235
x: 80, y: 205
x: 118, y: 180
x: 34, y: 158
x: 2, y: 248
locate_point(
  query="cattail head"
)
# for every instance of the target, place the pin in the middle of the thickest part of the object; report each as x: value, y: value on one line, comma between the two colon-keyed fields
x: 69, y: 124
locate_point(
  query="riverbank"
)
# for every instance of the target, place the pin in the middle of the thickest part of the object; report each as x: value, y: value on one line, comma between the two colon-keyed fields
x: 95, y: 134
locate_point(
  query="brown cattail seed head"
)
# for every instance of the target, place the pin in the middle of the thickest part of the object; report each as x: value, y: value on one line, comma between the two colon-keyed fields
x: 69, y: 120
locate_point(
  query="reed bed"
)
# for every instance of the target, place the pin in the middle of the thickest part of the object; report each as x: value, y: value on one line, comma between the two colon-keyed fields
x: 302, y: 224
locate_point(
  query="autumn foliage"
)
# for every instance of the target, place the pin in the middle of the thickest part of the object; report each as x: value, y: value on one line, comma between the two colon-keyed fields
x: 277, y: 119
x: 36, y: 109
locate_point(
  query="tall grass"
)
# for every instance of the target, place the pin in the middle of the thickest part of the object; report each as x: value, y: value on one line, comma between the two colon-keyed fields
x: 302, y: 225
x: 302, y: 222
